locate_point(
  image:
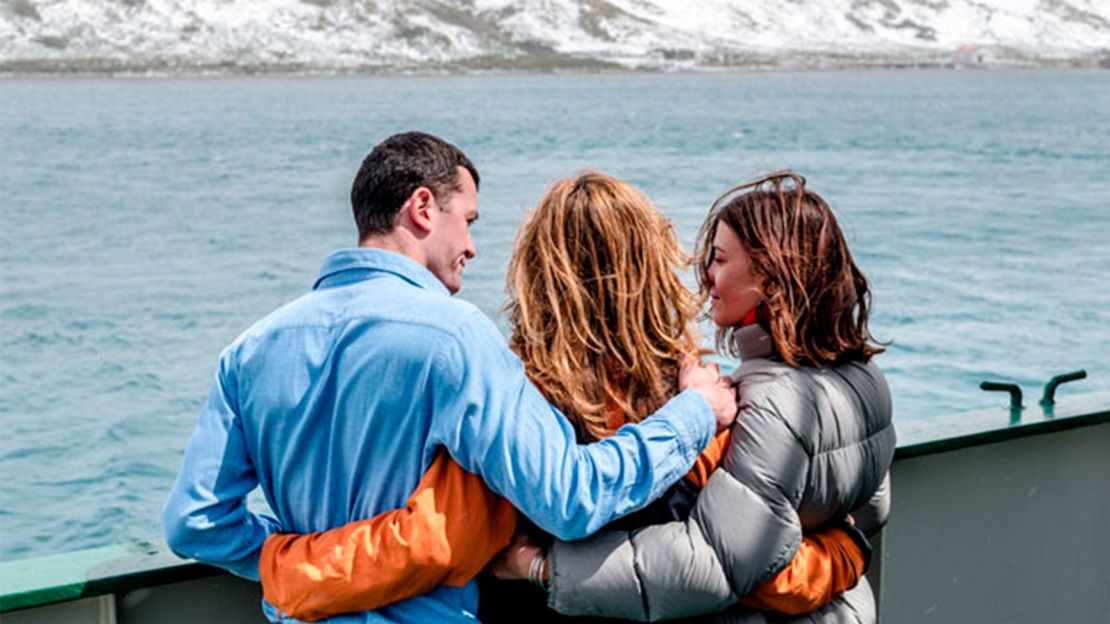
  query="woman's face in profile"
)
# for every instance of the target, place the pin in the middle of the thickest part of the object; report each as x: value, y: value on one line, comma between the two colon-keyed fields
x: 734, y: 289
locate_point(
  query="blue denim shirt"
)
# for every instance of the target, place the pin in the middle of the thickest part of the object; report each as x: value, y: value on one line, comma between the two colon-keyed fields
x: 336, y: 403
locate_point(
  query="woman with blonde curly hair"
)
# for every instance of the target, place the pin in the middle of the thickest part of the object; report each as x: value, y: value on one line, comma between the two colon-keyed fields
x: 601, y: 319
x: 598, y: 311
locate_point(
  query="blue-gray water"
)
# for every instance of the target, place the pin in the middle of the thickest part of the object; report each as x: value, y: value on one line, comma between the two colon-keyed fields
x: 146, y: 222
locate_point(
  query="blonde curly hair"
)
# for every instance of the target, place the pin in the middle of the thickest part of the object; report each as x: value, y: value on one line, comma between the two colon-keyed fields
x: 598, y: 311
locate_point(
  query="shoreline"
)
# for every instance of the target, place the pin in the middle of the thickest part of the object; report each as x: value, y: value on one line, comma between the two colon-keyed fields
x: 205, y: 73
x: 532, y: 65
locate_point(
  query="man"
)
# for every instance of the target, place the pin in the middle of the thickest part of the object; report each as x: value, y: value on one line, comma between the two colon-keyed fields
x: 337, y: 402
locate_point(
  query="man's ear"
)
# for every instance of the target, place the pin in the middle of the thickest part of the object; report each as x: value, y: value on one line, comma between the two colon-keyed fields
x: 418, y: 208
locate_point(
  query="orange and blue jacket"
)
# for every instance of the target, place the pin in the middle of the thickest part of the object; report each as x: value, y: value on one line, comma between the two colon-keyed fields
x: 453, y: 525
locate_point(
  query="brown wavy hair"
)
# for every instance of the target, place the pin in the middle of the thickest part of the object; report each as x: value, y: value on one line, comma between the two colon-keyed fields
x: 815, y: 299
x: 598, y: 311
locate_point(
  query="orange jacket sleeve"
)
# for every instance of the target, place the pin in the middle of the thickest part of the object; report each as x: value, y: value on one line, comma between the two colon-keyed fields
x: 451, y: 527
x: 826, y: 564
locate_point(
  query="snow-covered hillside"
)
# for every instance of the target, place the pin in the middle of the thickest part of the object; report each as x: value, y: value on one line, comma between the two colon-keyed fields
x: 323, y: 35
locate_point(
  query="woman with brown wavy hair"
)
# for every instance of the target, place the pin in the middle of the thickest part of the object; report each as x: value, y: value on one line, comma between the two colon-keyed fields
x: 804, y: 272
x: 812, y: 443
x: 602, y: 322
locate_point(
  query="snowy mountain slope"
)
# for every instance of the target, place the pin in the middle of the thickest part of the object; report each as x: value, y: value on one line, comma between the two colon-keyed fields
x: 402, y: 34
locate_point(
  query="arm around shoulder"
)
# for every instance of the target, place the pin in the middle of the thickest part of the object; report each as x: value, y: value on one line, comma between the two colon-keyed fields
x: 495, y: 423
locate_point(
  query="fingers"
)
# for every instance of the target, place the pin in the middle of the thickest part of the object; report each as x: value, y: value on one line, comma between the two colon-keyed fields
x: 688, y: 373
x: 695, y: 374
x: 688, y: 364
x: 692, y: 361
x: 722, y: 400
x: 513, y: 564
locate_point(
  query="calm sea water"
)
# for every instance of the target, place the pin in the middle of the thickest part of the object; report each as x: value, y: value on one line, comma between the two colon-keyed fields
x: 146, y: 222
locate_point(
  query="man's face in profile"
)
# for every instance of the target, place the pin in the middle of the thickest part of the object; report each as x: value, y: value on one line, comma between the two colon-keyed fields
x: 449, y: 245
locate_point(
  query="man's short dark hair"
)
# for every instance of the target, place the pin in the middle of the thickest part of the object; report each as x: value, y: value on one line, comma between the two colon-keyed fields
x: 398, y: 166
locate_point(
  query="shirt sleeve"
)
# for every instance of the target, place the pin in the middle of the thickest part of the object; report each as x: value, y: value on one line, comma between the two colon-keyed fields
x: 206, y: 516
x: 495, y: 423
x: 451, y: 527
x: 709, y: 459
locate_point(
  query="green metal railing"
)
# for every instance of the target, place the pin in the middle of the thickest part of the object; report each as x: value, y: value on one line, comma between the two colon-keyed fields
x: 1048, y: 399
x: 85, y: 573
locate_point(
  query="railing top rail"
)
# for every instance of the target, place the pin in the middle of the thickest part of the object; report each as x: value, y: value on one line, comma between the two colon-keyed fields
x: 955, y: 431
x: 111, y: 569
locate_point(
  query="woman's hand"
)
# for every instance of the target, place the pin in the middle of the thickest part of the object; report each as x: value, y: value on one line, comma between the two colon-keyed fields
x: 515, y: 561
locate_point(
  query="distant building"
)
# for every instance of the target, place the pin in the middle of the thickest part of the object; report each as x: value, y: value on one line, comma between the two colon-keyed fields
x: 673, y: 54
x: 1099, y: 60
x: 971, y: 55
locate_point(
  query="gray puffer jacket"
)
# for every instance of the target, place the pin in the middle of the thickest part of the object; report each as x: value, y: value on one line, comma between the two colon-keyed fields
x: 809, y: 447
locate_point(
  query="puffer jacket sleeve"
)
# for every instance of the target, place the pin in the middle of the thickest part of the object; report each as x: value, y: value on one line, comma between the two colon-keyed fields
x: 872, y: 516
x: 743, y: 529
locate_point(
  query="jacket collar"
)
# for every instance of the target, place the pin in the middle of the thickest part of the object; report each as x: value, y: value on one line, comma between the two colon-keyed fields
x: 346, y: 266
x: 753, y: 342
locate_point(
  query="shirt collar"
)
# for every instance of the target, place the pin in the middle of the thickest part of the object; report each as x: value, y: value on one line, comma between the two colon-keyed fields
x: 367, y: 260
